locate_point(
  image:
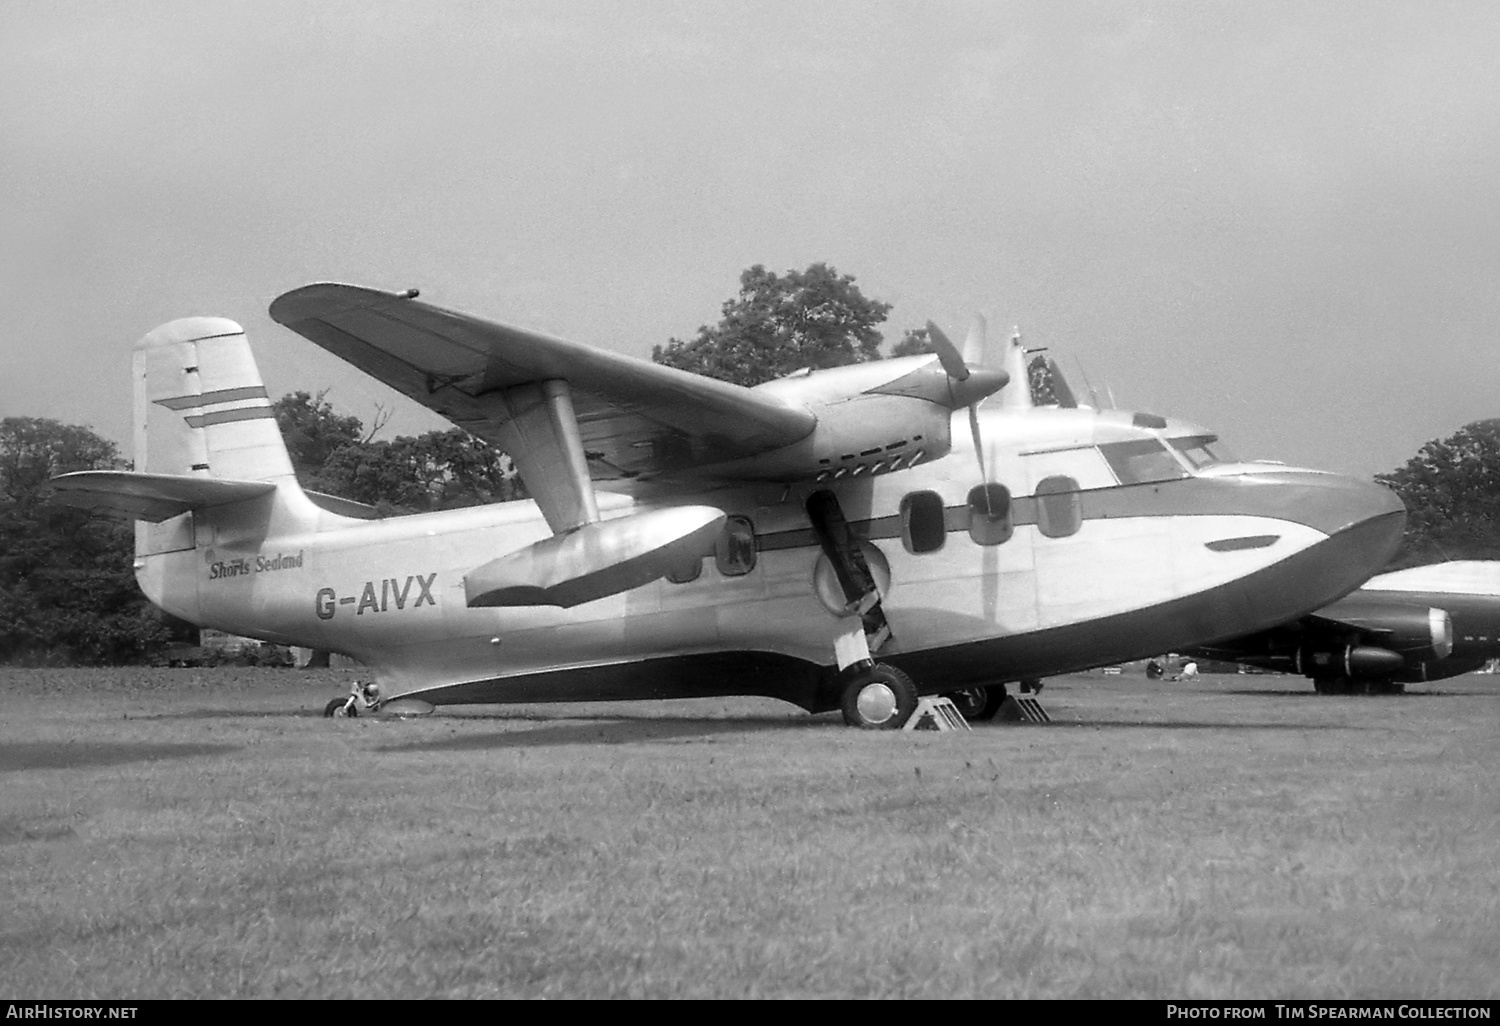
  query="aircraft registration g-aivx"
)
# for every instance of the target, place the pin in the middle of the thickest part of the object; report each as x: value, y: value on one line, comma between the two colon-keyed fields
x: 847, y: 538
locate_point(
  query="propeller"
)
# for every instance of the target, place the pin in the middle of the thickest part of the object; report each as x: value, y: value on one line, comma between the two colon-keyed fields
x: 967, y: 384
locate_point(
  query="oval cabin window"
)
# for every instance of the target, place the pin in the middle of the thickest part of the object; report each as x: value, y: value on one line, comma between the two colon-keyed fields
x: 1059, y: 508
x: 734, y: 552
x: 922, y: 527
x: 989, y: 514
x: 686, y: 570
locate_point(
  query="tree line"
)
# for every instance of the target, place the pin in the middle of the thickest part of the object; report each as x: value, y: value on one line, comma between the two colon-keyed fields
x: 67, y: 587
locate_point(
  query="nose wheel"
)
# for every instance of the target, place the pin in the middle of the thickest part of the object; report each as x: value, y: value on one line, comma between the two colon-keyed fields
x: 880, y: 697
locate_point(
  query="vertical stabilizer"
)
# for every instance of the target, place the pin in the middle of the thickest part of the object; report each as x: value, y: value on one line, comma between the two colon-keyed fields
x: 201, y: 411
x: 1018, y: 396
x: 201, y: 407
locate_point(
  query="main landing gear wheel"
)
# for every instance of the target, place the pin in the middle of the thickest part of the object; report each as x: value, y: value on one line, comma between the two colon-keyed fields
x: 337, y: 708
x: 1331, y: 685
x: 978, y: 703
x: 879, y: 698
x: 1347, y: 686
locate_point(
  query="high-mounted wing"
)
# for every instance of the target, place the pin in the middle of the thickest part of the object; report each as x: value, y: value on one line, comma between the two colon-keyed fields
x: 634, y: 417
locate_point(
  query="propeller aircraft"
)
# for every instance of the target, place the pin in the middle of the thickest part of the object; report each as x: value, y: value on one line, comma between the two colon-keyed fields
x: 849, y: 538
x: 1409, y: 626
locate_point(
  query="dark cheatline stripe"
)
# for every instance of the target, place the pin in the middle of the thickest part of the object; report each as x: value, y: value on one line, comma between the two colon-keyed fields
x: 223, y: 395
x: 230, y: 416
x: 1252, y: 541
x: 1321, y: 501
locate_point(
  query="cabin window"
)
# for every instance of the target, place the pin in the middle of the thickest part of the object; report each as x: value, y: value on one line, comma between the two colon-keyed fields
x: 1202, y: 450
x: 734, y: 552
x: 989, y: 514
x: 1141, y: 460
x: 1059, y: 509
x: 686, y: 569
x: 922, y: 526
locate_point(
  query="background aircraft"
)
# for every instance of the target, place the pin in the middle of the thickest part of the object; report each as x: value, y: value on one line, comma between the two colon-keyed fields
x: 847, y: 538
x: 1421, y: 624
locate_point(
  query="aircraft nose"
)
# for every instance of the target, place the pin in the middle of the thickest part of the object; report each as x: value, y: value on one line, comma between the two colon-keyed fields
x: 1348, y: 504
x: 1362, y: 522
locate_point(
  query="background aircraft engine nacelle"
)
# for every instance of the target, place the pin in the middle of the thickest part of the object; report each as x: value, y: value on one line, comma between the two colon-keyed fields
x: 1353, y: 661
x: 1397, y: 637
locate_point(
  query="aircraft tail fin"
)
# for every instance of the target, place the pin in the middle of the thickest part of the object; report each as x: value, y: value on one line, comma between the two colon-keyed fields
x: 1018, y: 396
x: 201, y: 408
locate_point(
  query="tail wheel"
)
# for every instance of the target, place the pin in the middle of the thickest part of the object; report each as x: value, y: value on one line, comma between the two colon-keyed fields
x: 340, y: 708
x: 880, y: 698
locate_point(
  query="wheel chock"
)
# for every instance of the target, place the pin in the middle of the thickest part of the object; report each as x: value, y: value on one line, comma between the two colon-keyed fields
x: 936, y: 713
x: 1022, y: 709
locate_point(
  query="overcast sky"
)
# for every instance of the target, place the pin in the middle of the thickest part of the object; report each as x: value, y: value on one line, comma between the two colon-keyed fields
x: 1278, y: 219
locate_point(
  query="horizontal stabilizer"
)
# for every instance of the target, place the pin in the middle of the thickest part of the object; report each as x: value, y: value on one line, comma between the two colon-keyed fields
x: 153, y: 497
x: 596, y: 560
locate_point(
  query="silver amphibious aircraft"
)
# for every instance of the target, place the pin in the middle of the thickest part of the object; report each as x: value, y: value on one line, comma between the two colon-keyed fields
x: 841, y: 539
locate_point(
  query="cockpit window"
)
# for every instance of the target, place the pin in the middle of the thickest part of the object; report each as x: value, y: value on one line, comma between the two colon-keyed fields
x: 1141, y: 460
x: 1202, y: 450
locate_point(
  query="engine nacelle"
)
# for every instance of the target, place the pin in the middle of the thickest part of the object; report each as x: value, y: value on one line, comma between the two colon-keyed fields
x: 872, y: 418
x: 1353, y: 661
x: 1396, y: 638
x: 866, y: 435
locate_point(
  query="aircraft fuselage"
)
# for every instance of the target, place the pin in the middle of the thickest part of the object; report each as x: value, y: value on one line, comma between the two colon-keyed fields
x: 1114, y: 545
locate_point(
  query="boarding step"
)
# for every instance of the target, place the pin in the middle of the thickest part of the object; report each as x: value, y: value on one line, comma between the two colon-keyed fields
x: 1022, y: 709
x: 936, y: 713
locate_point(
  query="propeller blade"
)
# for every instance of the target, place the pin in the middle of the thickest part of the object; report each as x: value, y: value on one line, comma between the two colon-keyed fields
x: 947, y: 354
x: 975, y: 346
x: 978, y: 441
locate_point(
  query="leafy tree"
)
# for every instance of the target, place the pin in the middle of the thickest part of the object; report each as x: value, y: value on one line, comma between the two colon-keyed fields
x: 777, y: 324
x: 437, y: 470
x: 915, y: 342
x: 67, y: 586
x: 333, y: 453
x: 313, y: 432
x: 1041, y: 376
x: 1451, y: 488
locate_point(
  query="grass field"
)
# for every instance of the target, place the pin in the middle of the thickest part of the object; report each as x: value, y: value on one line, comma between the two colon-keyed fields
x: 197, y: 833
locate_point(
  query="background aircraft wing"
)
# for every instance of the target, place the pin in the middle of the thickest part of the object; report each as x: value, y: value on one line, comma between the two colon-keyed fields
x: 635, y: 417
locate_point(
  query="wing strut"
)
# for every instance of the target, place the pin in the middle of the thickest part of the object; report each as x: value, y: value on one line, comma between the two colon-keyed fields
x: 540, y: 432
x: 586, y: 558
